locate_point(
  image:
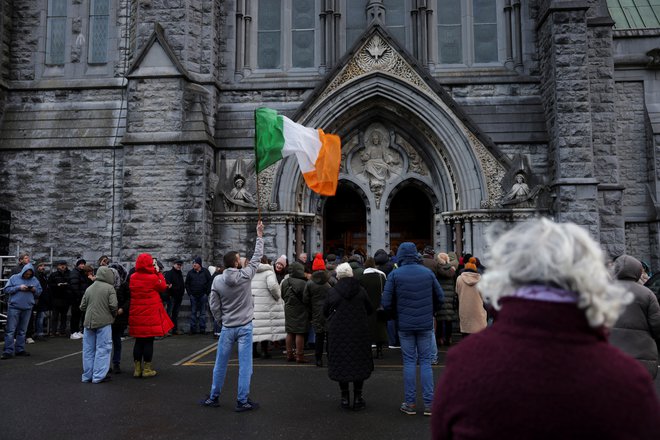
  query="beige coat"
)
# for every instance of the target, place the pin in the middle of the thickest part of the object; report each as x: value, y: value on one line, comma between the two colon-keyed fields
x: 471, y: 310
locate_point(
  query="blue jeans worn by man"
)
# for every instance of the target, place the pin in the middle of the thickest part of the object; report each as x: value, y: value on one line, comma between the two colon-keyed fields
x: 198, y: 313
x: 17, y: 323
x: 417, y: 345
x: 228, y: 336
x: 97, y: 346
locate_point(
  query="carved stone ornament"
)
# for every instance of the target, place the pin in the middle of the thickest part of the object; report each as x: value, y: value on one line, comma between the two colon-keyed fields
x: 493, y: 172
x: 376, y: 162
x: 238, y: 192
x: 376, y: 55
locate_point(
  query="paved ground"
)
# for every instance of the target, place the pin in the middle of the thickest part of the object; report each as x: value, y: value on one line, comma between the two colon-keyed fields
x: 42, y: 397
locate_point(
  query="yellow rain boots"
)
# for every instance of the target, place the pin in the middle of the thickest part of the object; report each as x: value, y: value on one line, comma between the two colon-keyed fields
x: 148, y: 371
x: 138, y: 369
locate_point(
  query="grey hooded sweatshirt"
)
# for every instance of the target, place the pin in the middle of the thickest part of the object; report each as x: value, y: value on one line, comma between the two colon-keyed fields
x: 637, y: 331
x: 231, y: 294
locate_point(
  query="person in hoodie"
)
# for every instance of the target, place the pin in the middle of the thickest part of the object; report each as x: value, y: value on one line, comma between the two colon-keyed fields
x: 471, y: 311
x: 99, y: 306
x: 268, y: 309
x: 349, y: 347
x: 415, y: 293
x: 231, y: 304
x: 315, y: 294
x: 296, y: 312
x: 147, y: 317
x: 23, y: 289
x: 637, y: 331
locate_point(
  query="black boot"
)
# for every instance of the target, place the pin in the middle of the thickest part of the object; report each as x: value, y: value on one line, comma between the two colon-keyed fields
x: 345, y: 400
x: 359, y: 403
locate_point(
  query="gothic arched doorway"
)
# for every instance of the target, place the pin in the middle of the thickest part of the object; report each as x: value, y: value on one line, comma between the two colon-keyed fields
x: 411, y: 218
x: 345, y: 222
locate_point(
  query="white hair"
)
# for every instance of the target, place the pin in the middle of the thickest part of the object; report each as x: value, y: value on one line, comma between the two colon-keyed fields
x: 541, y: 251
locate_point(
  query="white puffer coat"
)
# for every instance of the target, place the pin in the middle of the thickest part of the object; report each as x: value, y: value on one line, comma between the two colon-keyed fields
x: 268, y: 306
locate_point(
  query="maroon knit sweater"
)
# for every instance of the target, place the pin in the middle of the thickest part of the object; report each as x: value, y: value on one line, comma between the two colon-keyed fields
x: 540, y: 372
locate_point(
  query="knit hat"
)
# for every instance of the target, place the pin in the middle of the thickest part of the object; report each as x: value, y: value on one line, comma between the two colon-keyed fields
x: 344, y: 270
x: 59, y: 262
x: 443, y: 258
x: 428, y: 250
x: 471, y: 264
x: 331, y: 258
x: 281, y: 260
x: 198, y: 260
x: 318, y: 263
x: 80, y: 261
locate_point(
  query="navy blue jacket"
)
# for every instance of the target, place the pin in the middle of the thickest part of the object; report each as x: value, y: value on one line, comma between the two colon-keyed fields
x: 198, y: 283
x: 412, y: 288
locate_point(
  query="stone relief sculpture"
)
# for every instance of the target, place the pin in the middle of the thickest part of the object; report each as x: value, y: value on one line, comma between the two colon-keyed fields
x: 239, y: 195
x: 519, y: 191
x: 520, y: 194
x: 378, y: 160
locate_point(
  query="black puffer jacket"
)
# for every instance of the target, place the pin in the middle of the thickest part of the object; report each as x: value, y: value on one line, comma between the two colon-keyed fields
x: 349, y: 347
x: 60, y: 289
x: 316, y: 292
x: 637, y: 331
x: 296, y: 312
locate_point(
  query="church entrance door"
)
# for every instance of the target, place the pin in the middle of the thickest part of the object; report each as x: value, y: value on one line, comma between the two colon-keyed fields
x: 411, y: 218
x: 345, y: 220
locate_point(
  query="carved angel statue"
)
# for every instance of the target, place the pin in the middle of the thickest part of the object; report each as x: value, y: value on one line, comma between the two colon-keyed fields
x: 239, y: 195
x: 519, y: 192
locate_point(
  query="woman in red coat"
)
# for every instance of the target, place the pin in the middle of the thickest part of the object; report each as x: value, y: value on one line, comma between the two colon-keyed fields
x: 147, y: 318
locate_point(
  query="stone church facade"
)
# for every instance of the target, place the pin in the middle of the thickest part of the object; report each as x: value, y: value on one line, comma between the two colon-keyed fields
x: 128, y: 126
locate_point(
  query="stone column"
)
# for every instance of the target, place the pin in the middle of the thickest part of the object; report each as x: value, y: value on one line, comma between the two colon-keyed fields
x: 565, y: 73
x: 603, y: 121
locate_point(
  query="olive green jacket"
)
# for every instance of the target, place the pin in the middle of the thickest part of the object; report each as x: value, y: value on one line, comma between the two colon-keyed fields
x: 100, y: 300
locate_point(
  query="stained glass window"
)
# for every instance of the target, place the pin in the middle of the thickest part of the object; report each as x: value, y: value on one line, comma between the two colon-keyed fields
x: 56, y: 32
x: 99, y: 12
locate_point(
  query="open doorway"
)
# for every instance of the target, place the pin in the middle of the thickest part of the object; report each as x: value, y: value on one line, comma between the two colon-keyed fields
x: 345, y: 222
x: 411, y: 218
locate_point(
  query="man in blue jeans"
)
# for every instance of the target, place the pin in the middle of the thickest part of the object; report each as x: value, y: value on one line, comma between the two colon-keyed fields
x: 198, y: 285
x: 231, y: 304
x: 23, y: 289
x: 415, y: 292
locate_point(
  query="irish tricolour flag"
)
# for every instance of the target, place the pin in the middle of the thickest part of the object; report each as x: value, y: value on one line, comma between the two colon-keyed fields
x: 318, y: 154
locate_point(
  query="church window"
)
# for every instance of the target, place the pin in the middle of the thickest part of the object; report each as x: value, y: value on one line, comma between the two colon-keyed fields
x: 286, y: 34
x: 467, y: 31
x: 56, y: 32
x: 356, y: 20
x: 98, y: 31
x: 395, y: 19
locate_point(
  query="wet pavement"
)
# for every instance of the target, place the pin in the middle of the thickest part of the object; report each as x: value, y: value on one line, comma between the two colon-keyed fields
x: 42, y: 397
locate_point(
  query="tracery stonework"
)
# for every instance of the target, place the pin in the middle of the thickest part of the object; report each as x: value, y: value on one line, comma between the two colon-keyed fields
x: 493, y: 173
x: 376, y: 55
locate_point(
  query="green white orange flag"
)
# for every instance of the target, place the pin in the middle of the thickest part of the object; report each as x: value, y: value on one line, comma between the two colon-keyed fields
x: 318, y: 154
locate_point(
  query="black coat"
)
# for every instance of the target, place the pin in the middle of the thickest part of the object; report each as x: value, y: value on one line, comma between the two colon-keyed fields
x: 60, y: 290
x: 43, y: 302
x: 175, y: 278
x: 198, y: 283
x: 373, y: 283
x: 349, y: 346
x: 79, y: 283
x: 124, y: 303
x: 316, y: 292
x: 296, y: 312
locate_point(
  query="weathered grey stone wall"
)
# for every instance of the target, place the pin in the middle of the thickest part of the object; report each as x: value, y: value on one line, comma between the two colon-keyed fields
x: 26, y: 25
x: 191, y: 26
x: 638, y: 242
x: 164, y: 209
x: 631, y: 146
x: 61, y: 199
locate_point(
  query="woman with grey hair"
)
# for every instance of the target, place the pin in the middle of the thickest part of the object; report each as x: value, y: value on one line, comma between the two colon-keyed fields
x: 544, y: 369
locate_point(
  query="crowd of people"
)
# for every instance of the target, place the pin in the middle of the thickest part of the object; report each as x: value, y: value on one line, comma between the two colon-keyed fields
x: 547, y: 309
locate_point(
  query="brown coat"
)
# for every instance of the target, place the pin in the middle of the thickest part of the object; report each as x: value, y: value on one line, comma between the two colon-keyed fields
x: 471, y: 310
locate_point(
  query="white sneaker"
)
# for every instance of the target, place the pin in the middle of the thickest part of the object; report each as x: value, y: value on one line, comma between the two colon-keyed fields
x: 76, y: 335
x: 29, y: 341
